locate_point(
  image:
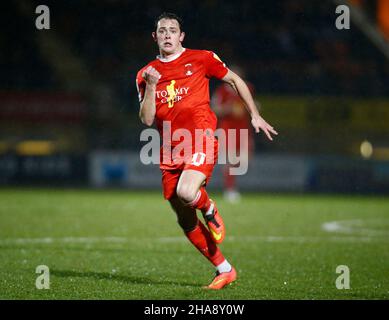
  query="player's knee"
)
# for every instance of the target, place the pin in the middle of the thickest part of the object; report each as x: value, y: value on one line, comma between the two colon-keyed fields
x: 186, y: 193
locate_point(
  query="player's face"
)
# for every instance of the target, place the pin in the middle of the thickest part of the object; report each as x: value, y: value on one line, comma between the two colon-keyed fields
x: 168, y: 36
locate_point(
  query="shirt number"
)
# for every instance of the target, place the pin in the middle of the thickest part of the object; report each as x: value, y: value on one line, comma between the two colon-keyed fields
x: 198, y: 158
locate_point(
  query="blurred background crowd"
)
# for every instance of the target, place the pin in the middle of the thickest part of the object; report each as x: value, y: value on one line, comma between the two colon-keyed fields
x: 69, y: 92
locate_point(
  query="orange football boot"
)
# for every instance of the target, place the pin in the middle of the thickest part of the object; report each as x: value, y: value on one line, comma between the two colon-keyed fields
x: 222, y: 279
x: 215, y: 225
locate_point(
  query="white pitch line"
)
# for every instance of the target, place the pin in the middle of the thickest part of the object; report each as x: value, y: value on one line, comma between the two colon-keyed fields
x: 355, y: 227
x: 293, y: 239
x: 49, y: 240
x: 182, y: 239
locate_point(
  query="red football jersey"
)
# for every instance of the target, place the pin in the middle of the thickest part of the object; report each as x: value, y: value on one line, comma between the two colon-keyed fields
x: 235, y: 116
x: 182, y: 94
x: 234, y: 109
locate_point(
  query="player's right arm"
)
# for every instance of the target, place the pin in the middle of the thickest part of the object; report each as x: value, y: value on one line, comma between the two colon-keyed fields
x: 147, y: 102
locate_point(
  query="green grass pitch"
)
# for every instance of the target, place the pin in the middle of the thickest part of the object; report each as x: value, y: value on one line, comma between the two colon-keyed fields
x: 127, y: 245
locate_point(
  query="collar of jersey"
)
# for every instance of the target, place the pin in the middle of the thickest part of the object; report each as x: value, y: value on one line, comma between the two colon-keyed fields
x: 169, y: 59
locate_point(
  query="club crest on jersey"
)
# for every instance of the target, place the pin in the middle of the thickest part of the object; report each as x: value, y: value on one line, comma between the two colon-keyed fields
x: 171, y: 94
x: 188, y: 68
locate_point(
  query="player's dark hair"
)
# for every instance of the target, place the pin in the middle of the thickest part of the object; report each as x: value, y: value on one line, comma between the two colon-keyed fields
x: 169, y: 15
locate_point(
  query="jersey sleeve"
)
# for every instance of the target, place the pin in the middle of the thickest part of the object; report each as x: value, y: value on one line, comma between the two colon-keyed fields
x: 215, y: 68
x: 140, y: 85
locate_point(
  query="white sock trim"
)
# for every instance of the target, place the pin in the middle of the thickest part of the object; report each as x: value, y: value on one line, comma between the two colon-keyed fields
x: 224, y: 267
x: 210, y: 210
x: 196, y: 199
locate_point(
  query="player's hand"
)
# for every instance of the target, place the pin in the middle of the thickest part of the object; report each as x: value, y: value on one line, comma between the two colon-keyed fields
x: 260, y: 124
x: 151, y: 75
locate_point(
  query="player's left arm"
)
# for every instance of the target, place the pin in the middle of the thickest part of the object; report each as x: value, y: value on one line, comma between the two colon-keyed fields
x: 244, y: 92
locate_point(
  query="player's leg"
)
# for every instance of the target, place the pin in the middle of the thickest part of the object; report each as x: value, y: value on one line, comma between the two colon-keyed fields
x: 223, y: 149
x: 186, y: 216
x: 196, y: 232
x: 200, y: 237
x: 229, y: 179
x: 191, y: 191
x: 241, y: 153
x: 231, y: 193
x: 235, y: 148
x: 188, y: 186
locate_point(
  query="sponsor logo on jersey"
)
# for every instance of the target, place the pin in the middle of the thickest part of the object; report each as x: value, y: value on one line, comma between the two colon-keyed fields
x: 171, y: 94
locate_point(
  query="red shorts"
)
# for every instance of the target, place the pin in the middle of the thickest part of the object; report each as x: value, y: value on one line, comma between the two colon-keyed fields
x: 198, y: 161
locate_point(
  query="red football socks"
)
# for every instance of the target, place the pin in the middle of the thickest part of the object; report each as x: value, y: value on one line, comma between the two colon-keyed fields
x: 201, y: 202
x: 202, y: 240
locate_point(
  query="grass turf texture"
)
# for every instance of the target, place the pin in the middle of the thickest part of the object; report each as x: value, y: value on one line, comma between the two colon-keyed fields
x: 127, y: 245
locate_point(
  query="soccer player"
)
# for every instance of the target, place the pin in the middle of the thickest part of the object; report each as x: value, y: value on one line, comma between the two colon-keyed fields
x: 174, y: 91
x: 231, y: 114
